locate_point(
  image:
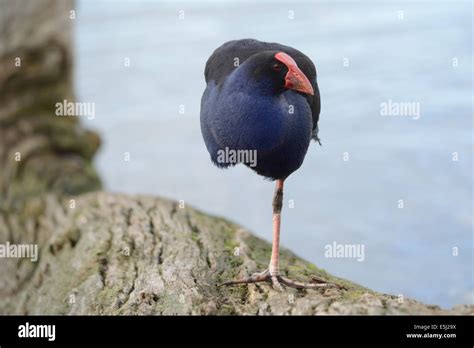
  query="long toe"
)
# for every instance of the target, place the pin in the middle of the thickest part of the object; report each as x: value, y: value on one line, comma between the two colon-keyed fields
x: 300, y: 285
x: 254, y: 278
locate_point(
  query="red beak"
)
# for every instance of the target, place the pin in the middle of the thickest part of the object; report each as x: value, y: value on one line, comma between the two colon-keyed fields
x: 295, y: 78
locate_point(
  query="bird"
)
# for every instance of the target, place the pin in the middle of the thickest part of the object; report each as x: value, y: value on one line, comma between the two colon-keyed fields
x: 261, y: 108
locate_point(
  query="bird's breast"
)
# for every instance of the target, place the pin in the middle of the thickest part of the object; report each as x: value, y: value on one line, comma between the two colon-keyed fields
x: 241, y: 120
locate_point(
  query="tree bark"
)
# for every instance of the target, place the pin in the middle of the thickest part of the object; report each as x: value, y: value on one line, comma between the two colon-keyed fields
x: 119, y: 254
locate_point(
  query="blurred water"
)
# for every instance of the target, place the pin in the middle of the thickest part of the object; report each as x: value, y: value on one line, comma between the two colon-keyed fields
x: 407, y: 251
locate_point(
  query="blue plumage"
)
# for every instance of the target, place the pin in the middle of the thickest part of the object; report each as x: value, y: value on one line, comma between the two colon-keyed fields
x: 249, y: 109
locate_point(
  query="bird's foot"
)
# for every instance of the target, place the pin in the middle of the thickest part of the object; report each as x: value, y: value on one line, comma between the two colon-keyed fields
x: 278, y: 280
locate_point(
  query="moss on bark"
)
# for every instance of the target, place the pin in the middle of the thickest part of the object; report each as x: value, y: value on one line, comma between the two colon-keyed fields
x: 118, y: 254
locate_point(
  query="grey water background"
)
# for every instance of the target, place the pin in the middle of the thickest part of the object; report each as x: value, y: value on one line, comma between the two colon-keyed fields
x: 408, y: 251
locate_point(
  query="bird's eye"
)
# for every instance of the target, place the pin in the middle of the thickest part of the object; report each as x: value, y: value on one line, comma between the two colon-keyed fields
x: 276, y: 67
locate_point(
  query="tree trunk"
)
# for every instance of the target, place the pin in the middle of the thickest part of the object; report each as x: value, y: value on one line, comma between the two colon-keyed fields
x: 119, y: 254
x: 39, y: 151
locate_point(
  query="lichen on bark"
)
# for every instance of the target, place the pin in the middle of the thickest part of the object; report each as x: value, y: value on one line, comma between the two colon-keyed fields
x: 118, y: 254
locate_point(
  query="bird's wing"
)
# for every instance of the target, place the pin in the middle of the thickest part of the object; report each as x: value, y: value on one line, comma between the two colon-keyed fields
x: 232, y: 53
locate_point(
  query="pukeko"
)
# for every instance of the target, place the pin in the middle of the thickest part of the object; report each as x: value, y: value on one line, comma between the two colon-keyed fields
x: 261, y: 108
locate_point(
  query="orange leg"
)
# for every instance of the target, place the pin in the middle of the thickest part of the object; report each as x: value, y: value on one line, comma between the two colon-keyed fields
x: 272, y: 274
